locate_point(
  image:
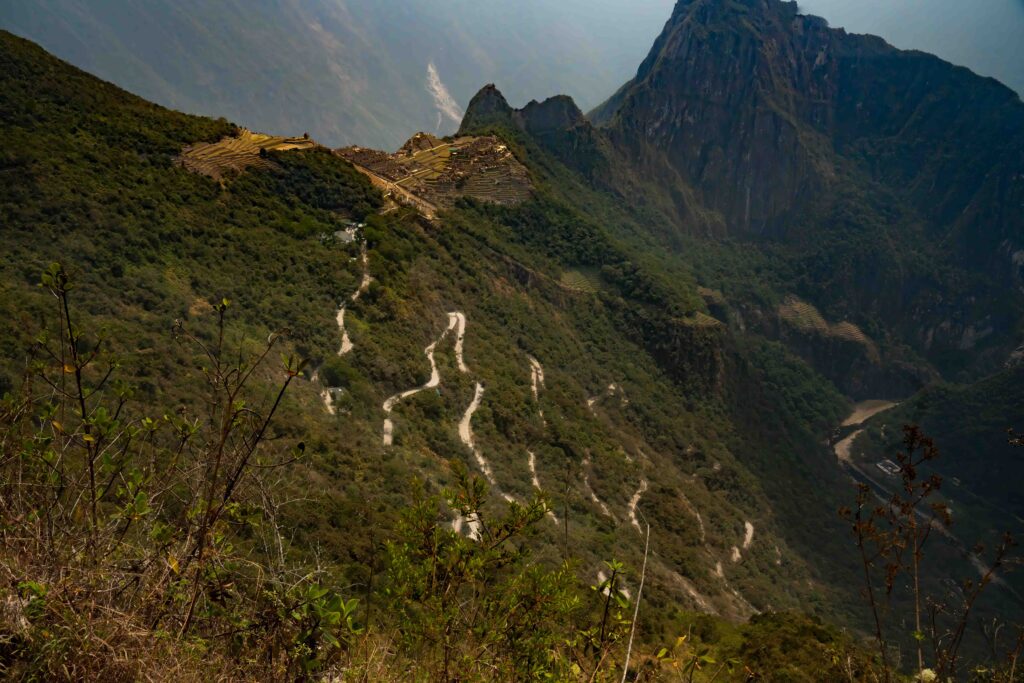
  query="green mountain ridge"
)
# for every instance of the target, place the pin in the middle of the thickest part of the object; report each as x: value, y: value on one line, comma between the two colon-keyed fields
x: 622, y: 343
x: 149, y: 242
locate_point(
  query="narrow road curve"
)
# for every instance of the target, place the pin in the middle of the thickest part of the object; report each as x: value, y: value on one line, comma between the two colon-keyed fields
x: 633, y: 502
x: 364, y: 284
x: 612, y: 389
x: 346, y: 343
x: 536, y: 383
x: 532, y: 461
x: 472, y: 522
x: 433, y: 382
x: 692, y: 509
x: 602, y: 577
x: 460, y: 336
x: 748, y: 534
x: 325, y: 393
x: 590, y: 490
x: 466, y: 434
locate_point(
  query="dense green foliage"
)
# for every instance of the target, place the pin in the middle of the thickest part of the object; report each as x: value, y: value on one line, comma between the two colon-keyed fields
x: 651, y: 410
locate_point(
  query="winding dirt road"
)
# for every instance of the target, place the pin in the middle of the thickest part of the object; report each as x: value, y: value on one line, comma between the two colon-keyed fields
x: 536, y: 383
x: 466, y: 434
x: 633, y: 502
x: 532, y: 462
x: 590, y: 490
x: 364, y: 284
x: 433, y: 382
x: 612, y: 389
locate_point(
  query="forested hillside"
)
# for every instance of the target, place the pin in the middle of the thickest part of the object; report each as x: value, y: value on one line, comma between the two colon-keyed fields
x: 614, y: 433
x: 267, y: 418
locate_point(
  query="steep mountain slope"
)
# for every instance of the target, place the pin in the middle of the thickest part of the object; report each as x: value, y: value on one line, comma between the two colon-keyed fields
x: 849, y: 200
x: 585, y: 338
x: 346, y: 71
x: 633, y: 417
x: 890, y: 180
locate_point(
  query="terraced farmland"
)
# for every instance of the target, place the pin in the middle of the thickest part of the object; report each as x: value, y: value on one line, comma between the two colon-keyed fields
x: 806, y: 318
x: 237, y: 153
x: 581, y: 280
x: 438, y: 172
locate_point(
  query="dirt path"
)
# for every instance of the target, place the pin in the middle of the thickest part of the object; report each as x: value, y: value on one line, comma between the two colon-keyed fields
x: 844, y: 447
x: 460, y: 336
x: 466, y: 434
x: 862, y: 412
x: 364, y: 284
x: 433, y: 382
x: 346, y: 343
x: 748, y: 534
x: 602, y: 577
x: 532, y: 462
x: 536, y: 383
x: 748, y: 538
x: 325, y: 393
x: 691, y: 508
x: 612, y: 389
x: 865, y: 410
x: 633, y: 502
x: 590, y: 490
x: 471, y: 522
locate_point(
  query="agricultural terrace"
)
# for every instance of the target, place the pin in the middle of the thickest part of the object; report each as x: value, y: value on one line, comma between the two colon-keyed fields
x: 437, y: 172
x: 237, y: 153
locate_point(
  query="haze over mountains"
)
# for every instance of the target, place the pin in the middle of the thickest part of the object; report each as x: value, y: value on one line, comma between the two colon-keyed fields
x: 372, y: 73
x: 984, y: 35
x: 347, y: 71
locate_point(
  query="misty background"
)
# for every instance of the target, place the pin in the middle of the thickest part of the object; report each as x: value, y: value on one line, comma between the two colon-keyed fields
x: 372, y: 72
x: 985, y: 35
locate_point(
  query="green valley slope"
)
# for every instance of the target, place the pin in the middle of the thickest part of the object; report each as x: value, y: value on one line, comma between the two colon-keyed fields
x: 94, y: 184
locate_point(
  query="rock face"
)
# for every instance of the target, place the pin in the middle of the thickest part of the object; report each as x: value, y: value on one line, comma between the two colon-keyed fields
x: 897, y: 176
x: 892, y: 181
x: 487, y: 108
x: 764, y: 110
x: 557, y: 124
x: 716, y: 99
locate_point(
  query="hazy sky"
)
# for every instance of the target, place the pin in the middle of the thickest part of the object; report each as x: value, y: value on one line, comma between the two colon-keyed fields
x: 984, y: 35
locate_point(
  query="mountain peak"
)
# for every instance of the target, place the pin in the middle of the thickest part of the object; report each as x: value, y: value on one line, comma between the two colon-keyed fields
x: 488, y: 106
x: 555, y: 113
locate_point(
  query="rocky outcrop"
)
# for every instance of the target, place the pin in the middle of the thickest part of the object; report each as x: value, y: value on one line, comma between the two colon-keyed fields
x: 898, y: 178
x: 556, y: 124
x: 762, y: 110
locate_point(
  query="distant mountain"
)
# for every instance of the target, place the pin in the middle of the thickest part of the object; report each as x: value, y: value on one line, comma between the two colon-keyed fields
x: 346, y: 71
x: 858, y: 203
x: 894, y: 179
x: 983, y: 36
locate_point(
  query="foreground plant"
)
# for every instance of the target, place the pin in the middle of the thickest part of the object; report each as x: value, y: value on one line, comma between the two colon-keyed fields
x: 892, y: 537
x: 124, y: 532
